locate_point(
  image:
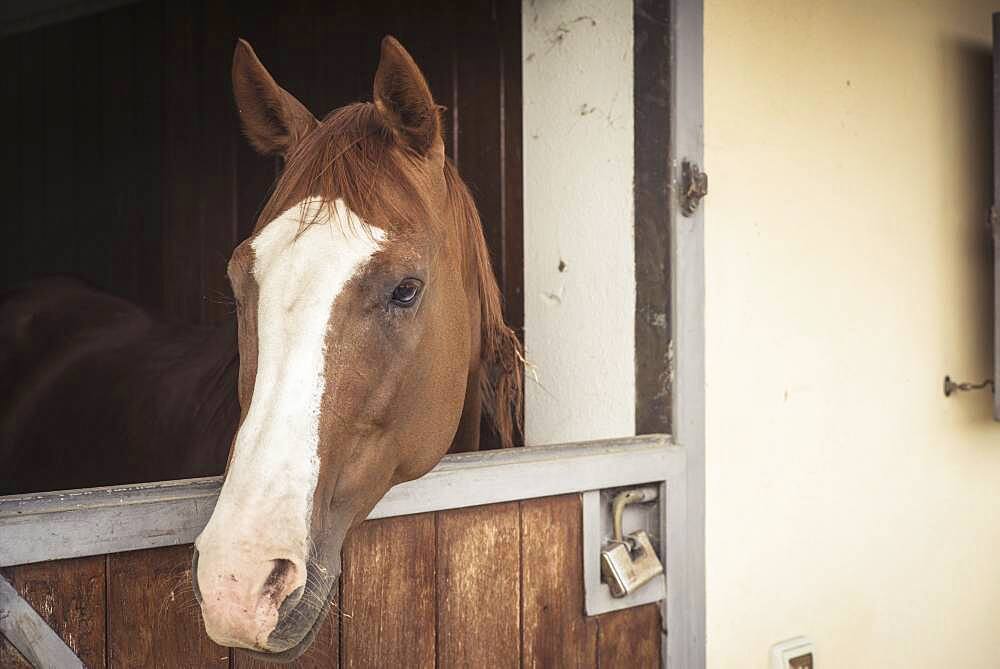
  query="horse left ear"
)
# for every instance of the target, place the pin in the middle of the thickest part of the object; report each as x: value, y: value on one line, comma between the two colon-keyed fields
x: 404, y: 100
x: 273, y: 120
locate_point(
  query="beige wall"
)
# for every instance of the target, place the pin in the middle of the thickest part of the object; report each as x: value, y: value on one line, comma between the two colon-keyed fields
x: 848, y: 150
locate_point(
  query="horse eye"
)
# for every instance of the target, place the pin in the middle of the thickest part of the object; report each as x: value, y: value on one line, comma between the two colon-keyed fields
x: 405, y: 294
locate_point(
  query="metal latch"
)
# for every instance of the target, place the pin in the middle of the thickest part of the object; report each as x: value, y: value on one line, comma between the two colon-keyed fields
x: 628, y: 562
x: 694, y: 187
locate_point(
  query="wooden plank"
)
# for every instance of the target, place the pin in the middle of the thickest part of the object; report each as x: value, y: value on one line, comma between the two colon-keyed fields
x: 153, y: 618
x: 651, y: 112
x: 255, y: 174
x: 428, y: 31
x: 181, y: 137
x: 478, y: 131
x: 68, y: 598
x: 556, y: 631
x: 119, y: 230
x: 387, y: 594
x: 90, y: 197
x: 512, y: 172
x: 629, y: 638
x: 30, y: 235
x: 336, y: 32
x: 147, y: 151
x: 55, y: 211
x: 95, y: 521
x: 217, y: 186
x: 478, y: 586
x: 10, y: 155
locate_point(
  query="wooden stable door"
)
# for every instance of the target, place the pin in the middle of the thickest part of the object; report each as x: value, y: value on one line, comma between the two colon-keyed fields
x: 487, y: 586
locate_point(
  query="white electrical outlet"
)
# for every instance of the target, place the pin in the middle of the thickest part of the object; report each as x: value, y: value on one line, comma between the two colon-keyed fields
x: 797, y: 653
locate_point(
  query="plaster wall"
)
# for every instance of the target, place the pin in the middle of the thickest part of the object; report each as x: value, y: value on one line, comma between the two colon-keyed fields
x: 848, y: 270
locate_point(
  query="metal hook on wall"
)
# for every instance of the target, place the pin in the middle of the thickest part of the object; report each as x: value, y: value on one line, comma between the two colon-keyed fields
x: 963, y: 387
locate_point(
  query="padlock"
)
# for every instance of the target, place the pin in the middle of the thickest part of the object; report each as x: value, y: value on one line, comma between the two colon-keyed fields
x: 628, y: 563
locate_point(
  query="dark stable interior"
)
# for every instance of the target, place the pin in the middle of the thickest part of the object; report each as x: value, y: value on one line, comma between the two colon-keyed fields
x: 123, y: 163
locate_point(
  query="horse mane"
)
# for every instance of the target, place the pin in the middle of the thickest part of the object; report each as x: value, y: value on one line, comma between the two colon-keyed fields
x: 347, y: 157
x: 502, y: 377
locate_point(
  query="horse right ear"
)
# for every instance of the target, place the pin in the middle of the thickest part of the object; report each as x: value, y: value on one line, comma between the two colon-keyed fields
x: 273, y: 120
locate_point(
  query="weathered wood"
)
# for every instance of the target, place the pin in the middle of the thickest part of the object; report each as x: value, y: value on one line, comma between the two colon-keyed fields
x: 96, y: 521
x: 387, y: 594
x: 182, y: 162
x: 69, y: 595
x: 57, y: 185
x: 556, y: 631
x: 478, y: 586
x: 217, y: 186
x: 651, y: 112
x: 119, y: 178
x: 153, y: 618
x: 88, y: 166
x: 10, y: 152
x: 38, y: 645
x: 20, y: 252
x: 254, y: 173
x: 511, y: 175
x: 147, y: 151
x: 629, y: 638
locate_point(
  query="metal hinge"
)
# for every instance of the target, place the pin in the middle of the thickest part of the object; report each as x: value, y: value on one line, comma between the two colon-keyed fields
x: 694, y: 187
x: 995, y: 222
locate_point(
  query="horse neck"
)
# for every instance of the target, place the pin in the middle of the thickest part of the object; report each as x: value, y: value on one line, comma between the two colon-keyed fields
x: 205, y: 390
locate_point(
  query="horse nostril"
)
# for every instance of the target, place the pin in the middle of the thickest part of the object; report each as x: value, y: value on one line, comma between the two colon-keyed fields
x: 280, y: 585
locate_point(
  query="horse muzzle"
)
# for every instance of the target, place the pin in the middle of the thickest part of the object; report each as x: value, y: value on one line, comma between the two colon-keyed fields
x: 243, y: 601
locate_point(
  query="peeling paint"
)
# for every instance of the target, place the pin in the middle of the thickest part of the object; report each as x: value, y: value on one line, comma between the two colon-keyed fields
x: 554, y: 299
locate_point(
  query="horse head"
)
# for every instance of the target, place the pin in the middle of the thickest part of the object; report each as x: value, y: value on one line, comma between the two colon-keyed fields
x: 370, y: 335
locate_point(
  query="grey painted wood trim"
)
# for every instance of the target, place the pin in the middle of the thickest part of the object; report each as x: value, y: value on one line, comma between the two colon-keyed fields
x: 995, y: 216
x: 684, y: 609
x: 96, y: 521
x: 31, y: 635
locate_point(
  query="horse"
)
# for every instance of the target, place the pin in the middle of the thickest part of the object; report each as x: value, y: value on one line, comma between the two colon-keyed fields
x: 368, y: 340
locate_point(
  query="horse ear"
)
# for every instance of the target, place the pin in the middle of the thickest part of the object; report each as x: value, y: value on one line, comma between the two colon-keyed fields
x: 273, y: 120
x: 404, y: 100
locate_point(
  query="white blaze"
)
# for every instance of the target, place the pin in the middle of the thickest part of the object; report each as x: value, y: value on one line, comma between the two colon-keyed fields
x: 266, y: 500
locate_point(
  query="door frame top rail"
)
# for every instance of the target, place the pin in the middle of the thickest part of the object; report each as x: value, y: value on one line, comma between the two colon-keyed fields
x: 95, y: 521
